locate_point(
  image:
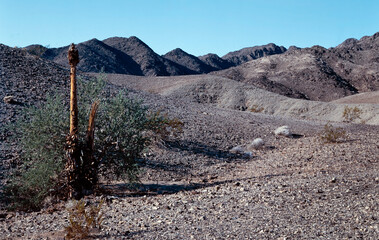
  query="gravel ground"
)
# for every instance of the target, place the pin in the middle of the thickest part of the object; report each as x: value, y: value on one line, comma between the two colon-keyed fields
x: 292, y: 188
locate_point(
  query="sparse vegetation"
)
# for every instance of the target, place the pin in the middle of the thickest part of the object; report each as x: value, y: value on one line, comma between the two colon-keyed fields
x: 82, y: 220
x: 351, y: 114
x: 256, y: 109
x: 39, y: 134
x: 331, y: 134
x: 124, y: 129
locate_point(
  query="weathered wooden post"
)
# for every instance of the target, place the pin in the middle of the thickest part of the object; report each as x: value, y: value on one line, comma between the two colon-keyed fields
x: 90, y: 163
x: 73, y: 148
x: 73, y: 59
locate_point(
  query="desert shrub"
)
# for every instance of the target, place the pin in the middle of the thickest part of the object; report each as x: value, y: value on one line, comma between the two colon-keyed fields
x: 351, y: 114
x: 331, y: 134
x: 121, y: 136
x: 256, y: 109
x: 82, y: 220
x: 162, y: 126
x: 40, y: 134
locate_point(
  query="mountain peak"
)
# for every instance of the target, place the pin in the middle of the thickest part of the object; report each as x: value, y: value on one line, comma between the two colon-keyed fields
x: 189, y: 61
x: 251, y: 53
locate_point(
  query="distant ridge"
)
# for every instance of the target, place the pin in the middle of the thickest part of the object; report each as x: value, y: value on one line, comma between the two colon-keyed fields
x: 247, y: 54
x: 315, y: 73
x: 133, y: 56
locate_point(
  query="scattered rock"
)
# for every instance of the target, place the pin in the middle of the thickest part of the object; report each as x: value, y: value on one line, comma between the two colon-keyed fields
x: 283, y: 131
x: 9, y: 99
x: 256, y: 144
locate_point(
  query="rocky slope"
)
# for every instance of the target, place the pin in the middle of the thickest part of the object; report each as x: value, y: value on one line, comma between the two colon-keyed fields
x: 357, y: 61
x: 27, y: 79
x: 315, y: 73
x: 296, y: 74
x: 226, y: 93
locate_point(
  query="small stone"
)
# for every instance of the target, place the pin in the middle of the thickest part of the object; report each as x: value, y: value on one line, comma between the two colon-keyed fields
x: 256, y: 144
x: 282, y: 131
x: 9, y: 99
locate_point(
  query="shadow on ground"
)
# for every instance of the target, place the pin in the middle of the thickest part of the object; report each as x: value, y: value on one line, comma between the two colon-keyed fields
x: 114, y: 191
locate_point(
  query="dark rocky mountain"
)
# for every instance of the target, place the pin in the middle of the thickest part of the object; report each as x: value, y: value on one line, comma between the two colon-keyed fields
x: 189, y: 61
x: 95, y: 56
x: 215, y: 61
x: 133, y: 56
x: 247, y: 54
x: 357, y: 61
x: 151, y: 63
x: 28, y: 77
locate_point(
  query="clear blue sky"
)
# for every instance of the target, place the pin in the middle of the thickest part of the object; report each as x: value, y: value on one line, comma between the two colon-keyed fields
x: 196, y: 26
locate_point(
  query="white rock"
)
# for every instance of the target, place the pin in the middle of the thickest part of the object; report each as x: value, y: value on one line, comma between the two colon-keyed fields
x: 9, y: 99
x: 256, y: 143
x: 282, y: 131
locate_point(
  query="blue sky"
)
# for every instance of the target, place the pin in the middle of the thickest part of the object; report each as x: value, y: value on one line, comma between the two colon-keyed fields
x: 196, y: 26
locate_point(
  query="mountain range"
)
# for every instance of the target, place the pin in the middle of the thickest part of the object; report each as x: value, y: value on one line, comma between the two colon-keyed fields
x: 314, y: 73
x: 133, y: 56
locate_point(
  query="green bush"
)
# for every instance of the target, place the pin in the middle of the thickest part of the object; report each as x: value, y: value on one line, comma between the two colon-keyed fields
x: 40, y: 134
x: 122, y: 134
